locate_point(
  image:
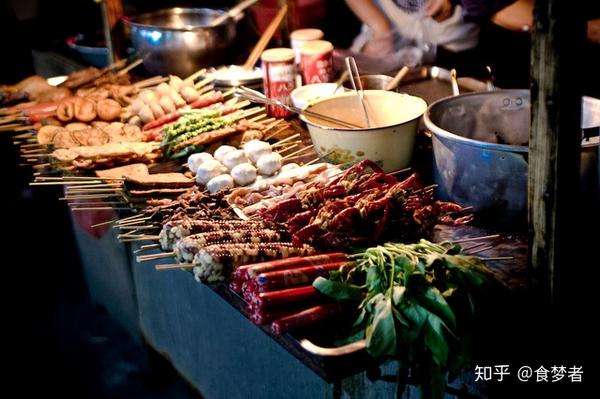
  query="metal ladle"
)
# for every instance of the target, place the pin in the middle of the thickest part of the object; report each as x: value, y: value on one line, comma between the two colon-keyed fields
x: 358, y: 88
x: 255, y: 96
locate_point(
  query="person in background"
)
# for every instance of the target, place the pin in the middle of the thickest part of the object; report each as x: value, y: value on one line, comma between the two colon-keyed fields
x: 413, y: 32
x: 505, y: 38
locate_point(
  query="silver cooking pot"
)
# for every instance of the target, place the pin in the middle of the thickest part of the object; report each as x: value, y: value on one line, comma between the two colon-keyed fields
x: 480, y: 148
x: 179, y: 40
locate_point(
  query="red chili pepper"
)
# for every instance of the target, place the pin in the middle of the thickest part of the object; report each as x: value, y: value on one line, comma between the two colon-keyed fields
x: 306, y: 317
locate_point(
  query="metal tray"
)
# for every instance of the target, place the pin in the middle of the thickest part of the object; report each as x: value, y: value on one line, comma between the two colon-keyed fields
x: 254, y: 81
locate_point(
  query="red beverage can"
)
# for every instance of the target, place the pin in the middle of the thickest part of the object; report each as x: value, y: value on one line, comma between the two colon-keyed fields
x: 316, y: 61
x: 279, y: 78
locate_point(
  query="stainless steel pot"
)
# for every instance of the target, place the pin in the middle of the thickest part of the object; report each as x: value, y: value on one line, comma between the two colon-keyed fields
x: 180, y: 40
x: 480, y: 153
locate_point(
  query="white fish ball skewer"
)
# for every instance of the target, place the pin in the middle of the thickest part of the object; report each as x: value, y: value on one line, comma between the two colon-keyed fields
x: 289, y: 166
x: 243, y: 174
x: 256, y: 148
x: 234, y: 158
x: 195, y: 160
x: 222, y: 150
x: 220, y: 182
x: 208, y: 170
x: 268, y: 164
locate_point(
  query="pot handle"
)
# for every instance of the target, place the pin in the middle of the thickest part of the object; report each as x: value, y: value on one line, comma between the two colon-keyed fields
x: 454, y: 83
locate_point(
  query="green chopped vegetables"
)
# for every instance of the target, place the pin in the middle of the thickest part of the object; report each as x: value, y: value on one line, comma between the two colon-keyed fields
x: 414, y: 303
x: 190, y: 125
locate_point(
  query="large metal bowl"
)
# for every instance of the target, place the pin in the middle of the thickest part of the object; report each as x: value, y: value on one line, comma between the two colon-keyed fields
x: 480, y: 147
x: 179, y: 40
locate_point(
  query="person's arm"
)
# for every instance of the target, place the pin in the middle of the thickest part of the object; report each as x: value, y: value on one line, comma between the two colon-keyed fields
x: 381, y: 42
x: 439, y: 10
x: 371, y: 15
x: 516, y: 17
x: 593, y: 30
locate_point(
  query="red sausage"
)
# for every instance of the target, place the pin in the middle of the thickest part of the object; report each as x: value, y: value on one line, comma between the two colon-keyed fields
x: 273, y: 299
x: 306, y: 317
x: 246, y: 272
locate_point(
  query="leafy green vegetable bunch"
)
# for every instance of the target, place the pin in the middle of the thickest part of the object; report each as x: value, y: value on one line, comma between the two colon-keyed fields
x: 415, y: 304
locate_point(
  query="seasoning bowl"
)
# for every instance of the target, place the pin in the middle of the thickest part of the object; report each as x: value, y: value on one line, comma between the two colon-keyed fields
x: 304, y: 95
x: 389, y: 141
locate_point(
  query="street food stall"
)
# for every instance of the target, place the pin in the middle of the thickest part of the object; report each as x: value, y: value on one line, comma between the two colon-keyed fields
x: 299, y: 226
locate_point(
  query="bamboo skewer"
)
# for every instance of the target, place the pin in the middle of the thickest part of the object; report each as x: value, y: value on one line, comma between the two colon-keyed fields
x: 149, y: 258
x: 277, y: 132
x: 129, y: 234
x: 141, y: 238
x: 265, y: 38
x: 193, y: 76
x: 123, y: 220
x: 105, y: 208
x: 41, y: 166
x: 317, y: 159
x: 130, y: 67
x: 11, y: 118
x: 291, y: 147
x: 95, y: 203
x: 400, y: 171
x: 476, y: 238
x: 241, y: 104
x: 146, y: 248
x: 136, y: 226
x: 130, y: 222
x: 481, y: 250
x: 207, y: 90
x: 102, y: 224
x: 14, y: 127
x: 24, y: 135
x: 175, y: 266
x: 61, y: 183
x: 89, y: 186
x: 229, y: 93
x: 257, y: 118
x: 154, y: 81
x: 497, y: 258
x: 296, y: 154
x: 85, y: 196
x: 94, y: 190
x: 67, y: 178
x: 465, y: 249
x: 207, y: 80
x: 285, y: 140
